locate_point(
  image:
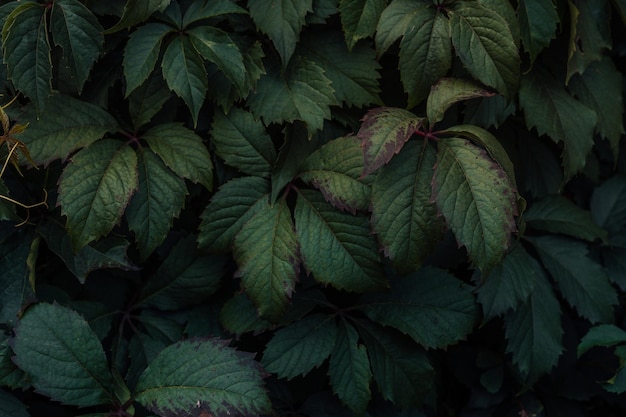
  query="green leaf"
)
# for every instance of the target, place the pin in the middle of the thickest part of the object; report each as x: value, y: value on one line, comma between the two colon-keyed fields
x: 27, y: 52
x: 73, y: 124
x: 359, y: 18
x: 77, y: 31
x: 484, y: 43
x: 266, y: 250
x: 582, y: 281
x: 608, y: 204
x: 449, y: 91
x: 301, y: 92
x: 232, y: 205
x: 538, y: 20
x: 203, y: 376
x: 7, y: 209
x: 603, y: 335
x: 476, y: 198
x: 15, y: 289
x: 63, y: 356
x: 201, y: 10
x: 142, y: 52
x: 403, y: 215
x: 509, y: 284
x: 282, y: 21
x: 488, y: 112
x: 242, y: 142
x: 402, y: 370
x: 10, y: 375
x: 354, y: 74
x: 184, y: 72
x: 334, y: 169
x: 431, y: 306
x: 11, y: 406
x: 136, y: 11
x: 147, y: 100
x: 550, y: 109
x: 239, y: 315
x: 301, y: 346
x: 383, y: 133
x: 349, y: 369
x: 557, y: 214
x: 323, y: 230
x: 396, y: 20
x: 533, y: 331
x: 159, y: 199
x: 95, y: 188
x: 182, y: 151
x: 184, y: 278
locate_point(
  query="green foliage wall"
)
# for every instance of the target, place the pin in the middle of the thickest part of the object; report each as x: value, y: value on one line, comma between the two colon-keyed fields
x: 314, y: 208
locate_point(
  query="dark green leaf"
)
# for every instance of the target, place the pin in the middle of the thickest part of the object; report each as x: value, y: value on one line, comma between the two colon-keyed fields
x: 15, y: 290
x: 11, y: 406
x: 10, y: 375
x: 608, y: 204
x: 7, y: 208
x: 449, y: 91
x: 63, y: 356
x: 396, y: 20
x: 147, y: 100
x: 136, y: 11
x: 538, y: 21
x: 359, y: 18
x: 430, y: 305
x: 303, y: 345
x: 199, y: 376
x: 201, y: 10
x: 488, y: 112
x: 602, y: 335
x: 239, y: 316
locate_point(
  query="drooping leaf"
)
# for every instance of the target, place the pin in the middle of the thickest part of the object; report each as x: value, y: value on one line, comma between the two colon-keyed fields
x: 403, y: 214
x: 11, y: 406
x: 266, y: 251
x: 484, y: 43
x: 602, y: 335
x: 557, y: 214
x: 538, y: 21
x: 582, y: 281
x: 608, y: 204
x: 95, y: 188
x: 136, y: 11
x: 533, y: 331
x: 383, y: 133
x: 335, y: 169
x: 77, y: 31
x: 242, y: 142
x: 431, y: 306
x: 72, y: 125
x: 301, y: 346
x: 159, y: 198
x: 449, y: 91
x: 26, y: 52
x: 349, y: 369
x: 182, y: 151
x: 282, y: 21
x: 15, y: 290
x: 203, y: 376
x: 63, y: 356
x: 476, y: 198
x: 323, y: 230
x: 232, y: 205
x: 359, y: 18
x: 147, y: 100
x: 239, y: 315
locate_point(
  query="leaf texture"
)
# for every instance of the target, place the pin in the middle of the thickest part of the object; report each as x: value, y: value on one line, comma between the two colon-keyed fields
x: 449, y: 91
x: 538, y: 21
x: 136, y: 11
x: 359, y: 18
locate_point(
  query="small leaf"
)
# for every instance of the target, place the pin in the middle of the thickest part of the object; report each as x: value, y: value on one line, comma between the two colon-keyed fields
x: 430, y: 305
x: 266, y: 250
x: 538, y: 20
x: 11, y: 406
x: 301, y: 346
x: 322, y: 230
x: 69, y: 365
x: 182, y: 151
x: 16, y: 291
x: 203, y: 376
x: 603, y: 335
x: 136, y: 11
x: 359, y: 18
x: 95, y: 188
x: 608, y: 204
x: 383, y: 133
x: 449, y: 91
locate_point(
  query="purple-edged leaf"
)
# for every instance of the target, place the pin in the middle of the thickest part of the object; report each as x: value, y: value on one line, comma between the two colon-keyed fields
x: 383, y: 134
x: 449, y: 91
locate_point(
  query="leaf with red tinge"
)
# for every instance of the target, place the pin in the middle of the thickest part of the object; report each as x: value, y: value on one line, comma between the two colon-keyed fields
x: 449, y: 91
x: 383, y: 133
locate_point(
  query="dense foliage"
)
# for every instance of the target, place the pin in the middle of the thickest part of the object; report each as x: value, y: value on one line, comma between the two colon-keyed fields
x: 312, y: 208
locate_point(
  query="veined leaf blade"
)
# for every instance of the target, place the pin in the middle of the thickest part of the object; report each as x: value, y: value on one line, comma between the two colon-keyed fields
x: 359, y: 18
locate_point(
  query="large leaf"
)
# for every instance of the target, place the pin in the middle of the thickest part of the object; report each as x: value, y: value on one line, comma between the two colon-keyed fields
x: 335, y: 170
x: 359, y: 18
x: 266, y: 250
x: 431, y: 306
x: 298, y: 348
x: 203, y: 377
x: 484, y: 43
x: 533, y: 331
x: 15, y: 290
x: 282, y: 21
x: 582, y: 281
x: 550, y: 109
x: 27, y: 52
x: 136, y: 11
x: 608, y: 204
x: 323, y: 230
x: 349, y: 369
x: 383, y: 133
x: 63, y: 356
x: 449, y: 91
x: 538, y: 20
x: 77, y: 31
x: 403, y: 214
x: 232, y: 206
x: 159, y: 198
x: 477, y: 199
x: 182, y: 151
x: 72, y: 125
x: 243, y: 142
x: 95, y: 188
x: 11, y: 406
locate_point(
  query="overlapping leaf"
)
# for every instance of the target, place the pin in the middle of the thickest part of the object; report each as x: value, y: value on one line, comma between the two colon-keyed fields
x: 603, y: 335
x: 608, y: 204
x: 136, y: 11
x: 359, y: 18
x: 538, y: 21
x: 15, y: 290
x: 449, y: 91
x: 239, y: 315
x: 147, y: 100
x: 197, y: 11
